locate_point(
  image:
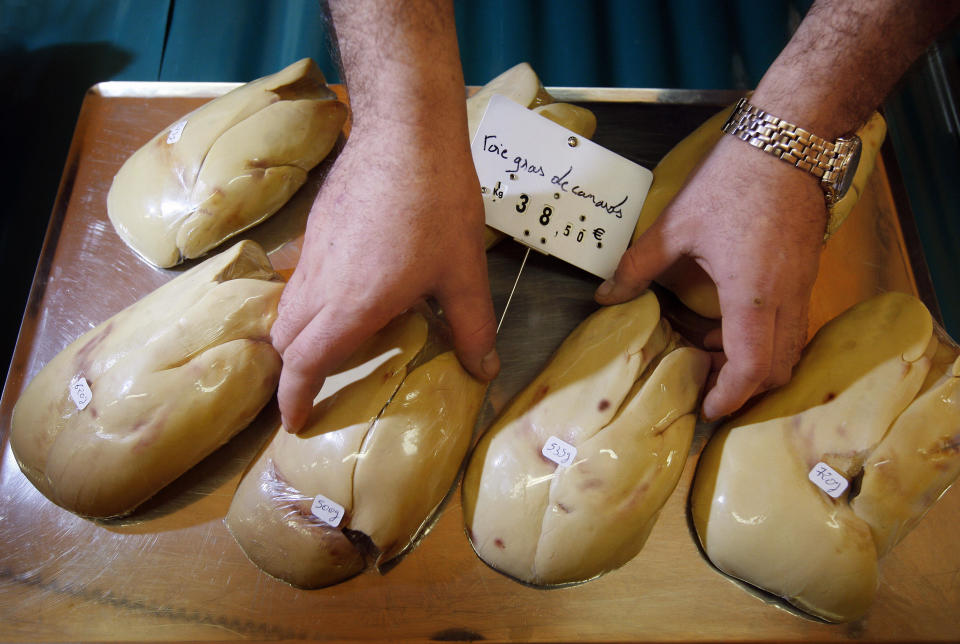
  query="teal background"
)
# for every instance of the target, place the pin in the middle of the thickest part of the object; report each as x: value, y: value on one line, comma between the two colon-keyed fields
x: 51, y: 51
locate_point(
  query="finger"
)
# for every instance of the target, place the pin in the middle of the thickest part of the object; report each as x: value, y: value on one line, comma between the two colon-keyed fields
x: 295, y: 311
x: 323, y: 344
x: 717, y: 360
x: 291, y: 288
x: 470, y: 315
x: 713, y: 340
x: 646, y: 258
x: 789, y: 337
x: 748, y: 335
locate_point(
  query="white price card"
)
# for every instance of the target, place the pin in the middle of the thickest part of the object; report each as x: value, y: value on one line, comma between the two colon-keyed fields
x: 176, y: 131
x: 554, y: 190
x: 559, y: 451
x: 330, y: 512
x: 828, y: 479
x: 80, y: 392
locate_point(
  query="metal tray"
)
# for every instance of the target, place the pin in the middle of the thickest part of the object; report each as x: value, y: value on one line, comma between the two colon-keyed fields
x: 172, y: 572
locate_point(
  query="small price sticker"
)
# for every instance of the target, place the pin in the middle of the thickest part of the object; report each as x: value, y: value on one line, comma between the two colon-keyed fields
x: 555, y: 191
x: 176, y: 131
x: 559, y: 451
x: 828, y: 479
x: 80, y: 392
x: 330, y: 512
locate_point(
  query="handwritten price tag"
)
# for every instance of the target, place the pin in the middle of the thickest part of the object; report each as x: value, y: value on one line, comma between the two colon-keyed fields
x: 560, y: 452
x: 828, y: 479
x: 554, y: 190
x: 176, y: 132
x: 80, y: 392
x: 330, y: 512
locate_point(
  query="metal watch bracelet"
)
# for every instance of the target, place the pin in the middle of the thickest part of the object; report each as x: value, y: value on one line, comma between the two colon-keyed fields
x: 833, y: 163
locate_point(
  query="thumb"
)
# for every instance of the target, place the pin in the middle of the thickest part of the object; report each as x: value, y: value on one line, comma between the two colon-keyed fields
x: 469, y: 311
x: 644, y: 260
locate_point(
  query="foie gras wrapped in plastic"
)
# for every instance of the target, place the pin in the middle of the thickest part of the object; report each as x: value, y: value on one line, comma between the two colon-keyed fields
x: 155, y: 388
x: 225, y: 166
x: 802, y: 494
x: 620, y: 395
x: 360, y: 483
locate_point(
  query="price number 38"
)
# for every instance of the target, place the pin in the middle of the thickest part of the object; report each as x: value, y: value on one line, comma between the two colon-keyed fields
x: 545, y: 214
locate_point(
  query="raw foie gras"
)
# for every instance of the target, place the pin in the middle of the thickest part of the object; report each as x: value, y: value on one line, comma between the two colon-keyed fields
x: 875, y: 398
x: 225, y: 166
x: 171, y: 378
x: 385, y: 444
x: 622, y: 392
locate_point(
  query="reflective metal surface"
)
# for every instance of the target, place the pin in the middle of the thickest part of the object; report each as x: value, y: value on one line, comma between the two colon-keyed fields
x: 171, y: 571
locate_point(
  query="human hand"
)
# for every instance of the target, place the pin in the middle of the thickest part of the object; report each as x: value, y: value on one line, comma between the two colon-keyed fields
x: 755, y: 225
x: 399, y: 217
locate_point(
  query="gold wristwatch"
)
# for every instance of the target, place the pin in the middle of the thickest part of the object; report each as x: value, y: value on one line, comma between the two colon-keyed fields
x: 834, y: 163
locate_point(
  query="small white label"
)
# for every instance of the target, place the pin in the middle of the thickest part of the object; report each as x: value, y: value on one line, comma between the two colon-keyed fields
x: 828, y: 479
x: 80, y: 392
x: 556, y: 191
x: 176, y: 131
x: 560, y: 452
x: 330, y: 512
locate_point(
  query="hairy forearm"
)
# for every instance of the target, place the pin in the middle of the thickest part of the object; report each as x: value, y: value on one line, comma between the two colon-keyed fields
x: 845, y: 58
x: 401, y: 63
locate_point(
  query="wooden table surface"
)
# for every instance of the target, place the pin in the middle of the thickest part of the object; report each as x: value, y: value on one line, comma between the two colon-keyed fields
x: 171, y: 571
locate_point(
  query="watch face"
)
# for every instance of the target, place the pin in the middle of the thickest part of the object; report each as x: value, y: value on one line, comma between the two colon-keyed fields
x: 849, y: 168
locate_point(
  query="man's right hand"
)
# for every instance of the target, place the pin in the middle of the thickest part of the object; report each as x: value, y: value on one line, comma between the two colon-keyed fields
x: 399, y: 217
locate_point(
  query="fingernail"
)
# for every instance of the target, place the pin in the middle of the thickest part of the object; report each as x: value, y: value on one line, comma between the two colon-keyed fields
x: 605, y: 289
x: 490, y: 365
x: 286, y: 425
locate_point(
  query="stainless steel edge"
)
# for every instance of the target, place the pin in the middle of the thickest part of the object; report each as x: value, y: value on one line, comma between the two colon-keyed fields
x: 644, y: 95
x: 160, y: 89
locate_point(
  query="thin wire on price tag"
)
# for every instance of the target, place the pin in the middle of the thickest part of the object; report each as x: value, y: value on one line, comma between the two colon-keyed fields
x: 555, y: 191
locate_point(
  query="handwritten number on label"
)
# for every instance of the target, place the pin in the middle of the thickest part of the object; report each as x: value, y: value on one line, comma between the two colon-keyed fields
x: 559, y: 451
x: 176, y: 132
x: 497, y: 192
x: 329, y: 512
x: 79, y: 392
x: 580, y: 235
x: 522, y: 206
x: 545, y: 215
x: 828, y: 479
x: 566, y: 230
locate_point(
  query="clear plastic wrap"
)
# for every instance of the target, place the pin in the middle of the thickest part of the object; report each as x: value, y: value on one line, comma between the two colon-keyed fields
x: 142, y: 397
x: 225, y: 166
x: 569, y: 480
x: 360, y: 483
x: 802, y: 494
